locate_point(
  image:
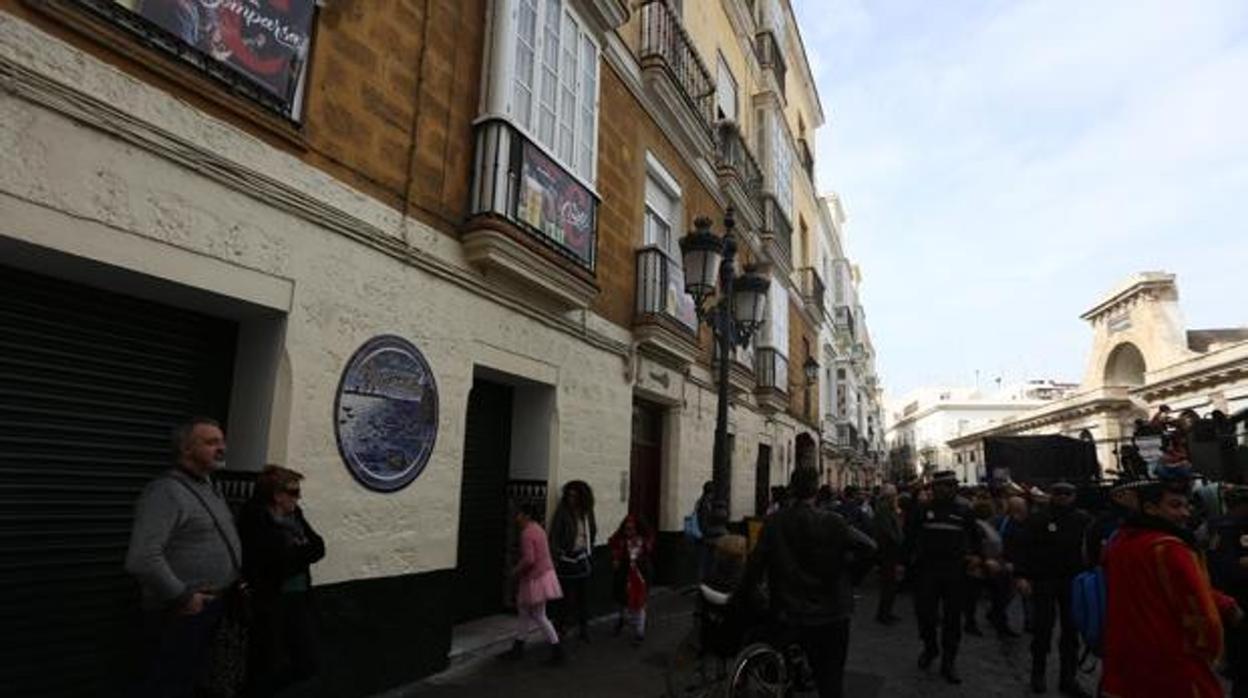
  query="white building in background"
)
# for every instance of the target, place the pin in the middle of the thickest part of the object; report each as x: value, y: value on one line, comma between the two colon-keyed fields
x: 851, y: 409
x: 922, y: 423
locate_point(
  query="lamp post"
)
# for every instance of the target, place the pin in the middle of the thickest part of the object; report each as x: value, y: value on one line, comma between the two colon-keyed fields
x: 733, y: 316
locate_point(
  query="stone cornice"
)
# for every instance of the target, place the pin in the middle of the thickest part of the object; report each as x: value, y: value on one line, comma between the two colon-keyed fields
x: 1094, y: 402
x: 290, y: 186
x: 1140, y: 284
x: 1227, y: 366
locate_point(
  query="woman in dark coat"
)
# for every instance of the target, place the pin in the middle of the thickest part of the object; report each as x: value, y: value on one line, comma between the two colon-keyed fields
x: 573, y: 532
x: 278, y: 547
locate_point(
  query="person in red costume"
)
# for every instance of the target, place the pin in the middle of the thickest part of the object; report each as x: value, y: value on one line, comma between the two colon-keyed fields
x: 1163, y: 626
x: 632, y: 548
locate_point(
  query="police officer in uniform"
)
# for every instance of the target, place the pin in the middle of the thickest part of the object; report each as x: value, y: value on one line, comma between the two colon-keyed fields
x: 1228, y: 561
x: 1051, y: 556
x: 943, y: 537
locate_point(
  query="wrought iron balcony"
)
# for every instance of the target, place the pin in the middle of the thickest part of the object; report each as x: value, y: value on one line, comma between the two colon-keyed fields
x: 812, y: 289
x: 530, y: 218
x: 666, y: 45
x: 739, y: 173
x: 843, y: 322
x: 665, y: 318
x: 777, y: 235
x: 770, y: 57
x: 771, y: 374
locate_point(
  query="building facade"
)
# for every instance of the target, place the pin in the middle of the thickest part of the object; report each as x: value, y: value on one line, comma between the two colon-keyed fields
x: 1142, y: 357
x: 851, y: 412
x: 269, y: 212
x: 927, y: 419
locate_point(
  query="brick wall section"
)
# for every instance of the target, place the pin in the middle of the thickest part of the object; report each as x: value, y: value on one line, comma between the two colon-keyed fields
x: 380, y: 70
x: 625, y: 133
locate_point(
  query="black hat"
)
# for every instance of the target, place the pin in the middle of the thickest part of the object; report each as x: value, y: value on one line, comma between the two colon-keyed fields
x: 1062, y: 488
x: 944, y: 477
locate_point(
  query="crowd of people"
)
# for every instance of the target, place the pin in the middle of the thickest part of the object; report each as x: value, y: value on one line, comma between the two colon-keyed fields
x: 1153, y: 580
x: 1172, y: 558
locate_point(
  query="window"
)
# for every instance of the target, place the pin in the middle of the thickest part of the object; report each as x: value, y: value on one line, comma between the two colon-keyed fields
x: 555, y: 83
x: 726, y: 92
x: 782, y: 162
x: 662, y: 208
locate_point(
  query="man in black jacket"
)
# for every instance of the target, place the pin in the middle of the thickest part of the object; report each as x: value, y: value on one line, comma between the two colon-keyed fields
x: 942, y: 541
x: 802, y: 552
x: 1051, y: 557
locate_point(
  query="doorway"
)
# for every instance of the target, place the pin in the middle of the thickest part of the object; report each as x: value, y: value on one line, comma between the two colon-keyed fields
x: 482, y: 543
x: 646, y: 467
x: 762, y: 480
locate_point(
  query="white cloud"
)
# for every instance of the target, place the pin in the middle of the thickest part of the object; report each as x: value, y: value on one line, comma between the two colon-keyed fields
x: 1003, y: 164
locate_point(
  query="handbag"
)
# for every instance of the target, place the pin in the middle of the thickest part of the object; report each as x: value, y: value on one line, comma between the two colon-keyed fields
x: 226, y: 672
x: 574, y: 566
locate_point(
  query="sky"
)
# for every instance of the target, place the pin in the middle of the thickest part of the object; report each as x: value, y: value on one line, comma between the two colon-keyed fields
x: 1003, y: 165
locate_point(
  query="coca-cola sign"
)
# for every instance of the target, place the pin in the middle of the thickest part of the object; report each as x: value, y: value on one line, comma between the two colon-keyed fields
x: 265, y: 42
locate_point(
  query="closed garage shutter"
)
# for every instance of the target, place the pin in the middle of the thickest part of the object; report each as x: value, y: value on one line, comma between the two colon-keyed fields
x: 90, y: 384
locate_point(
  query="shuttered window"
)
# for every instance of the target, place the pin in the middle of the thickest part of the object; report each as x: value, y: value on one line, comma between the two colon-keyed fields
x: 91, y: 383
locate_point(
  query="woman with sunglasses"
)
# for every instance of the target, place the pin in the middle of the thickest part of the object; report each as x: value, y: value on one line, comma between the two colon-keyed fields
x: 278, y: 547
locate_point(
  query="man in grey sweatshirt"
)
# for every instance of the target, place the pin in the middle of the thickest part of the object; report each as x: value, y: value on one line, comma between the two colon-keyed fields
x: 184, y: 552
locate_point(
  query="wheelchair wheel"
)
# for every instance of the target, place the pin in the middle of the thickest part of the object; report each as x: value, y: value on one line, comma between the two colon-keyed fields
x: 691, y: 672
x: 759, y: 672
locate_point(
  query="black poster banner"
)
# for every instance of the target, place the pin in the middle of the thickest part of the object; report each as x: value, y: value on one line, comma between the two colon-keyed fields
x: 264, y: 41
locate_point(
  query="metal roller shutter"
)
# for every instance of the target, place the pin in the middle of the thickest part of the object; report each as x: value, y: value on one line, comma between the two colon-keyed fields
x: 90, y: 384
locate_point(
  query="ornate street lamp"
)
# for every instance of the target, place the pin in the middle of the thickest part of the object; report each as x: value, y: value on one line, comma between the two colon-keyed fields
x: 810, y: 368
x: 734, y: 315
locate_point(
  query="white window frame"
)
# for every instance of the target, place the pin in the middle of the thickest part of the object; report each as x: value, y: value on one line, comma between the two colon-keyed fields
x: 663, y: 201
x: 727, y: 79
x: 556, y: 119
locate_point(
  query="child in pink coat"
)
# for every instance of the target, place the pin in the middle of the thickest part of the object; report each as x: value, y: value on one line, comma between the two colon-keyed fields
x: 536, y: 583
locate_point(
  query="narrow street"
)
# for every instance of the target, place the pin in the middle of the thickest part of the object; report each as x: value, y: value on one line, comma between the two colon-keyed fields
x: 881, y: 663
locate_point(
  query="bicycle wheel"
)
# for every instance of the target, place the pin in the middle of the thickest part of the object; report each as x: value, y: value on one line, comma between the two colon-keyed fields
x: 691, y: 673
x: 759, y: 672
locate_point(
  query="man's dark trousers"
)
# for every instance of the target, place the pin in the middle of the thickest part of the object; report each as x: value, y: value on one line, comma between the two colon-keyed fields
x: 177, y: 650
x: 826, y: 647
x: 943, y: 597
x: 1052, y: 601
x: 888, y: 588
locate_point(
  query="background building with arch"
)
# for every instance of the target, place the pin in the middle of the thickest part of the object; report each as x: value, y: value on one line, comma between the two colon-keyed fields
x: 1142, y: 356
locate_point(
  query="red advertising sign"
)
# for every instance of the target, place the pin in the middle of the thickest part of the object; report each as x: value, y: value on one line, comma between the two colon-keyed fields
x: 264, y: 41
x: 556, y: 205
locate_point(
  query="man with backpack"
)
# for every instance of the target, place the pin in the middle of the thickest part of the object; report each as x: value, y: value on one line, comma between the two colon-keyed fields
x: 1051, y: 556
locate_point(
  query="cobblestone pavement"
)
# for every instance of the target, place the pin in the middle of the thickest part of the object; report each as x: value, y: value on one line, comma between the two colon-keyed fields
x: 882, y: 663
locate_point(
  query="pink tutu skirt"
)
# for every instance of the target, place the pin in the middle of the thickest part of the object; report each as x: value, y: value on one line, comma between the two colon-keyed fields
x: 540, y: 589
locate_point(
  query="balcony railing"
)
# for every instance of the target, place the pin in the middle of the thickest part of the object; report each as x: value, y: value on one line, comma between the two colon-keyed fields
x: 665, y: 42
x: 733, y: 158
x: 806, y: 157
x: 844, y: 320
x: 517, y: 180
x: 812, y: 288
x: 661, y: 289
x: 770, y: 56
x: 771, y: 370
x: 777, y: 226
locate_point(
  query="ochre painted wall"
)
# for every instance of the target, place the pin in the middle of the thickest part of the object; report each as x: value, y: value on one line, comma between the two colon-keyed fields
x: 392, y: 90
